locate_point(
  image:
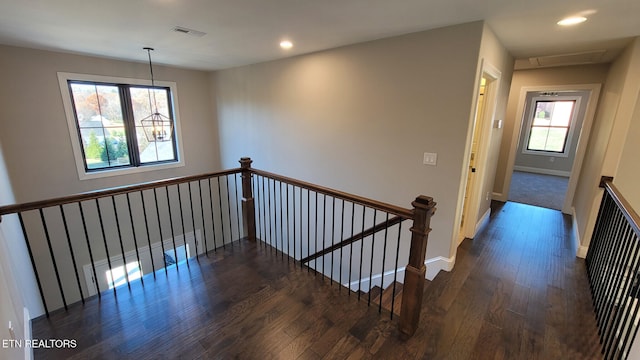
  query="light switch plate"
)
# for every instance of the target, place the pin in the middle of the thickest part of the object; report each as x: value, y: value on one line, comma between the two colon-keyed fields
x: 430, y: 159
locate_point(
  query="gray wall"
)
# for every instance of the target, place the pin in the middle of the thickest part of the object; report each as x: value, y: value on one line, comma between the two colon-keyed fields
x: 608, y: 139
x: 39, y: 158
x: 568, y: 75
x: 544, y: 162
x: 35, y: 136
x: 360, y: 117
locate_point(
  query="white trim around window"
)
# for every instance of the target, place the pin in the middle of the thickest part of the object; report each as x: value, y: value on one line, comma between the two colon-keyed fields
x: 64, y: 78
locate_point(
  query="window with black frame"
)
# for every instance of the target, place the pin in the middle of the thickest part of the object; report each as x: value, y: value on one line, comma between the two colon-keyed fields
x: 550, y: 125
x: 123, y: 125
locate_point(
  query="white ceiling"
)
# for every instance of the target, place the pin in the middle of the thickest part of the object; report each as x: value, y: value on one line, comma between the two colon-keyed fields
x: 240, y: 32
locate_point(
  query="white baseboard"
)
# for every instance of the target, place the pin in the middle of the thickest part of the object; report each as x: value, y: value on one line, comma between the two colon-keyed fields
x: 484, y: 220
x: 542, y: 171
x: 381, y: 280
x: 434, y: 265
x: 581, y: 251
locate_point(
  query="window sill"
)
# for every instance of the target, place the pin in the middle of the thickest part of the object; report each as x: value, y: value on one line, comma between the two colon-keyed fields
x: 127, y: 171
x: 545, y: 153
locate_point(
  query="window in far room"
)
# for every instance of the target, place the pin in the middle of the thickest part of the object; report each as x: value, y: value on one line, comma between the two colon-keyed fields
x: 549, y: 127
x: 120, y: 126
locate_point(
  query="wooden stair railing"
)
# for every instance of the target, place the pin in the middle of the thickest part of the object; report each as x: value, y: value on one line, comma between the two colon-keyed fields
x: 204, y: 209
x: 370, y: 231
x: 613, y: 270
x: 420, y: 215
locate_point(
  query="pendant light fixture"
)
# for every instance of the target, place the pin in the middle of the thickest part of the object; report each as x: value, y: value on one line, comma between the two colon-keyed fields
x: 156, y: 126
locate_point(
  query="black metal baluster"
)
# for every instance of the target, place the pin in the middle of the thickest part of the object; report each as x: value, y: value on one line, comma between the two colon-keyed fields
x: 106, y: 247
x: 601, y: 242
x: 293, y: 200
x: 592, y: 248
x: 342, y: 247
x: 204, y: 225
x: 384, y: 258
x: 146, y: 227
x: 135, y: 239
x: 315, y: 261
x: 606, y: 259
x: 263, y: 196
x: 308, y: 226
x: 281, y: 226
x: 255, y: 183
x: 271, y: 221
x: 173, y: 234
x: 73, y: 257
x: 301, y: 226
x: 364, y: 212
x: 124, y: 257
x: 614, y: 253
x: 625, y: 245
x: 226, y: 178
x: 221, y: 216
x: 622, y: 293
x: 353, y: 217
x: 213, y: 221
x: 395, y: 272
x: 264, y: 213
x: 33, y: 263
x: 256, y: 196
x: 324, y: 231
x: 184, y: 231
x: 288, y: 227
x: 628, y: 338
x: 86, y: 236
x: 333, y: 233
x: 373, y: 247
x: 155, y: 197
x: 238, y: 201
x: 193, y: 222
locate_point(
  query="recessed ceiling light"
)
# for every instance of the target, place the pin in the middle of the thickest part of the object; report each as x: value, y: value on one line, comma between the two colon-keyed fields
x: 572, y: 20
x: 286, y: 44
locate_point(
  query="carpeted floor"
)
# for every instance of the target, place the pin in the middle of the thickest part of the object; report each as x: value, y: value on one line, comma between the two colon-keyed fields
x: 546, y: 191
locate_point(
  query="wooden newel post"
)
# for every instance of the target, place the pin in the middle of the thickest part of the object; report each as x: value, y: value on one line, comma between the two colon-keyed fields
x: 423, y: 209
x: 248, y: 206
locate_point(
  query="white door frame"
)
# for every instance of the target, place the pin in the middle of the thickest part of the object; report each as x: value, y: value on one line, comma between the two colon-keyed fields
x: 583, y: 136
x: 471, y: 225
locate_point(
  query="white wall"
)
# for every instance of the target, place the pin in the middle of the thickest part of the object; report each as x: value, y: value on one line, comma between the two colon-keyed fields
x: 18, y: 289
x: 360, y: 117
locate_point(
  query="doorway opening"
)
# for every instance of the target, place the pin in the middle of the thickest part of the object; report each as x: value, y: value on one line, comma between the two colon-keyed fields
x: 547, y: 146
x: 474, y: 200
x: 471, y: 175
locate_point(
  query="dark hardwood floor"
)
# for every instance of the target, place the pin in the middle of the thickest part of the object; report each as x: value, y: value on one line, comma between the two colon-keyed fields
x: 517, y: 292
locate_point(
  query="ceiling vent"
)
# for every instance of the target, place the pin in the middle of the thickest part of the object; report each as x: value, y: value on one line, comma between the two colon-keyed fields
x: 186, y: 31
x: 587, y: 57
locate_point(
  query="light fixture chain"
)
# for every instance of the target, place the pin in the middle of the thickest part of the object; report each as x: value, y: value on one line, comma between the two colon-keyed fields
x: 153, y: 84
